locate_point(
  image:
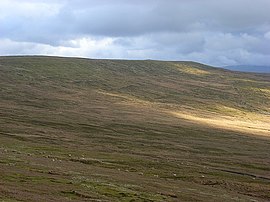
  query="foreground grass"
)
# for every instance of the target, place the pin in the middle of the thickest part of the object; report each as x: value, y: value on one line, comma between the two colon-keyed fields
x: 101, y: 130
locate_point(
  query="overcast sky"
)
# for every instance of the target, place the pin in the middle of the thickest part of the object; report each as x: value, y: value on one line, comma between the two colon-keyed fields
x: 216, y: 32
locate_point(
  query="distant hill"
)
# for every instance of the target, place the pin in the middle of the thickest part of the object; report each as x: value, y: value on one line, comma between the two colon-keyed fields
x: 249, y: 68
x: 119, y: 130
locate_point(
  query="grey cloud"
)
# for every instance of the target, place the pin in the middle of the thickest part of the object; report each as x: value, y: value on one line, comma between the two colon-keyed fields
x: 119, y: 18
x: 216, y: 32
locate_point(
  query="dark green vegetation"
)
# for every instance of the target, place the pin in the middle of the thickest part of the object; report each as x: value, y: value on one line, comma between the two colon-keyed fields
x: 108, y: 130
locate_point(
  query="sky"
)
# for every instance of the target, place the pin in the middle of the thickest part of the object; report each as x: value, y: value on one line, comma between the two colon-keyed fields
x: 215, y: 32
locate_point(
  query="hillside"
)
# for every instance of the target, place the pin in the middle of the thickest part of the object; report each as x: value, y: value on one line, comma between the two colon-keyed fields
x: 114, y: 130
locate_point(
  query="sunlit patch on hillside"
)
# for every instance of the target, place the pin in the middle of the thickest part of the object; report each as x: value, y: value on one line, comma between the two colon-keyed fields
x: 126, y: 98
x: 262, y: 91
x: 230, y: 110
x: 249, y: 124
x: 191, y: 70
x: 245, y: 80
x: 265, y: 91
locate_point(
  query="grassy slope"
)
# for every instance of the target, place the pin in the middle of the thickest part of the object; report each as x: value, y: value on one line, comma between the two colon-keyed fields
x: 132, y: 130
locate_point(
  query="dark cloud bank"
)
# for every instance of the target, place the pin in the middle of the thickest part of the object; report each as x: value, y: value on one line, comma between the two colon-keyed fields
x: 225, y: 32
